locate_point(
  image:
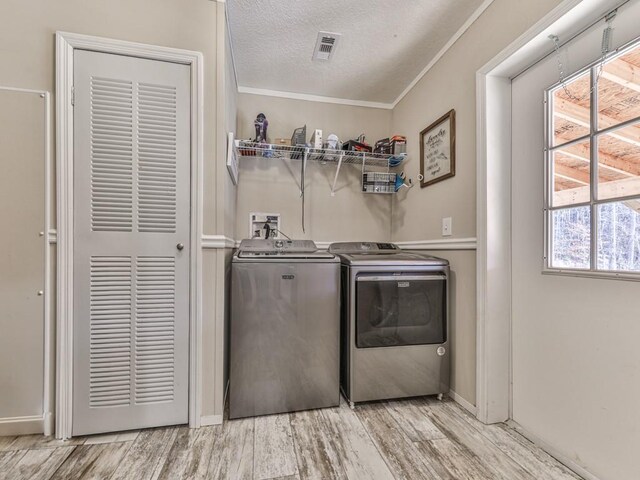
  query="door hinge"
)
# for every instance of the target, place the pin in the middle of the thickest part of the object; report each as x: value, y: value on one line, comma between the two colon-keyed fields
x: 73, y: 96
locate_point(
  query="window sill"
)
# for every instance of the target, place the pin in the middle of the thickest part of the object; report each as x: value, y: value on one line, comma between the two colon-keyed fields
x: 628, y: 276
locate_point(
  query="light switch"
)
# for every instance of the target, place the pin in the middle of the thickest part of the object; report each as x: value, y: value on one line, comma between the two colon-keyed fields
x: 446, y: 227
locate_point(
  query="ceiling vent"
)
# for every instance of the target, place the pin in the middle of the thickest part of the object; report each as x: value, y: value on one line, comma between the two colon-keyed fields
x: 325, y: 45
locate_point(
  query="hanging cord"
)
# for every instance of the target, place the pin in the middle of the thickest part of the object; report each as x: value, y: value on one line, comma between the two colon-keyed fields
x: 605, y: 49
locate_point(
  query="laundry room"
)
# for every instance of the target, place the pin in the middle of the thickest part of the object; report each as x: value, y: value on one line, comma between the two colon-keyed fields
x: 320, y: 239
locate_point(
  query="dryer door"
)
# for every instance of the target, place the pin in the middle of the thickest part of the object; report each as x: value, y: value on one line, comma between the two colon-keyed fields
x: 396, y: 310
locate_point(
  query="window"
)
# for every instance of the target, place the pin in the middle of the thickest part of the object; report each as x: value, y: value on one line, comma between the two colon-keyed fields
x: 592, y: 201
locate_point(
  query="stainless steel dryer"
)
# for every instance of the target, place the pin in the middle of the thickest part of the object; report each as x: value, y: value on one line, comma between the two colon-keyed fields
x: 285, y: 328
x: 395, y: 322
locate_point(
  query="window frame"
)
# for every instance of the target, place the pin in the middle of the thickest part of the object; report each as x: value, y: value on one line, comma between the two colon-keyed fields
x: 593, y: 203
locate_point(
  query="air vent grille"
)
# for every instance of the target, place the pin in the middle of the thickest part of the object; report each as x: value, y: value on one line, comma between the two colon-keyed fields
x: 325, y: 45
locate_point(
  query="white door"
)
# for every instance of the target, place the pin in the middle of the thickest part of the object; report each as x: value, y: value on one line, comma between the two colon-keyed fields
x: 575, y: 340
x: 131, y: 242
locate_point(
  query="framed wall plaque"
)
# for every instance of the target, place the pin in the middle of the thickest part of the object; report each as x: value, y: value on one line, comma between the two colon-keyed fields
x: 438, y: 150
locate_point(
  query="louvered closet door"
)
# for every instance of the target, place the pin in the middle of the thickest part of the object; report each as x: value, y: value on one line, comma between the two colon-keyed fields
x: 131, y: 210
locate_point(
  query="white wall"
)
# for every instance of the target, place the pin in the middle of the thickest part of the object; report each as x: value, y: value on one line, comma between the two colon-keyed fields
x: 576, y: 361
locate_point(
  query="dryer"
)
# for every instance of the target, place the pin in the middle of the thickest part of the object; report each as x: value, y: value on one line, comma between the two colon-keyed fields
x: 394, y: 322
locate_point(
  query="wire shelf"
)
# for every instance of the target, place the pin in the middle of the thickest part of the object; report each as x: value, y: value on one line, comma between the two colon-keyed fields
x: 261, y: 150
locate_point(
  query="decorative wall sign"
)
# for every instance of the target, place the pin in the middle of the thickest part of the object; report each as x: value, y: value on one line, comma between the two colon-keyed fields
x: 438, y: 150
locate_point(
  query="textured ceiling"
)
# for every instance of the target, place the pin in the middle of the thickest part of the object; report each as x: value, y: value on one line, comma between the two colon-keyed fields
x: 385, y: 44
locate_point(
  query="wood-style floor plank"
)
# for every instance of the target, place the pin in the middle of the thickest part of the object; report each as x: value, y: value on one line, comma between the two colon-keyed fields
x: 146, y: 456
x: 5, y: 442
x: 37, y: 464
x: 452, y: 462
x: 273, y: 454
x: 531, y: 458
x: 404, y: 439
x: 359, y: 455
x: 92, y: 462
x: 233, y: 452
x: 190, y: 454
x: 29, y: 442
x: 316, y: 451
x: 466, y: 436
x: 402, y: 456
x: 415, y: 425
x: 8, y: 459
x: 111, y: 438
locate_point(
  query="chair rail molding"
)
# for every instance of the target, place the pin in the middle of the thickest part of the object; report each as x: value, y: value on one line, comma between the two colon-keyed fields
x: 440, y: 244
x: 217, y: 241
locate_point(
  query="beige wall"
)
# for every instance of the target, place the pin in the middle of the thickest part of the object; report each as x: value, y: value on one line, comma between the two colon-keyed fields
x: 451, y: 83
x: 417, y: 214
x: 271, y: 185
x: 22, y: 249
x: 28, y: 61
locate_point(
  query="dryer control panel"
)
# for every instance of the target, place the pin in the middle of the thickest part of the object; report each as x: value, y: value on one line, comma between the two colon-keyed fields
x: 362, y: 247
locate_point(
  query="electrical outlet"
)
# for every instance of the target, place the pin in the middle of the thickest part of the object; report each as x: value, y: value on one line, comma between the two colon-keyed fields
x: 446, y: 227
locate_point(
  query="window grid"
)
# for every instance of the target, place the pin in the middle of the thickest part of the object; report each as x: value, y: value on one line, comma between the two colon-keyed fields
x: 594, y: 201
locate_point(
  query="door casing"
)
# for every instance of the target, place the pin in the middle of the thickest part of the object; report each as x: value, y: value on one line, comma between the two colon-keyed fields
x: 65, y: 45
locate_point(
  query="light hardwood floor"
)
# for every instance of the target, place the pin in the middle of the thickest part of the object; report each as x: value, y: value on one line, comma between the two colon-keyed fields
x: 406, y: 439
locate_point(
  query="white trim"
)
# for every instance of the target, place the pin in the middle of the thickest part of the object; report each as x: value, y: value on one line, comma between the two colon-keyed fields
x: 554, y: 452
x: 217, y: 241
x: 49, y: 346
x: 465, y: 26
x: 440, y: 244
x: 47, y: 401
x: 493, y: 152
x: 493, y: 380
x: 228, y: 39
x: 65, y: 44
x: 214, y: 241
x: 313, y: 98
x: 464, y: 403
x: 208, y: 420
x: 22, y: 425
x: 24, y: 90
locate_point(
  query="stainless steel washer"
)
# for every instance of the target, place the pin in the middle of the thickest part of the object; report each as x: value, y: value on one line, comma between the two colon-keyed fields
x: 395, y: 322
x: 285, y: 328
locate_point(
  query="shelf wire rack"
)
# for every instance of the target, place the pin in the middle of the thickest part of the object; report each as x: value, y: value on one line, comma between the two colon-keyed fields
x: 246, y: 149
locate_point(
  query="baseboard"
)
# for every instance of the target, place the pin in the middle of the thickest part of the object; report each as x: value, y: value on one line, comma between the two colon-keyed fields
x: 207, y: 420
x: 554, y: 452
x: 21, y: 425
x: 468, y: 406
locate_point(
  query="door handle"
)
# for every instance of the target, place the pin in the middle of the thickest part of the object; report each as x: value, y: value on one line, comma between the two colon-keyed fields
x: 180, y: 246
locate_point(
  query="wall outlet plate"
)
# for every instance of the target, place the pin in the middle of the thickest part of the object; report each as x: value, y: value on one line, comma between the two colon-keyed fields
x: 257, y: 221
x: 446, y: 227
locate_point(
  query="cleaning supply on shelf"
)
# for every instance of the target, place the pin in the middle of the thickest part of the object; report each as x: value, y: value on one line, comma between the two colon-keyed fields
x: 261, y: 125
x: 396, y: 160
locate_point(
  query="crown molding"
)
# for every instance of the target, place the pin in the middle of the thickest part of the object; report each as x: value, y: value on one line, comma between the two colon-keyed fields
x: 364, y: 103
x: 456, y: 36
x: 313, y: 98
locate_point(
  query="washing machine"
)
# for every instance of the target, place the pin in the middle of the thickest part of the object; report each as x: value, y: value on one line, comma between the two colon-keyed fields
x: 284, y: 328
x: 394, y: 322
